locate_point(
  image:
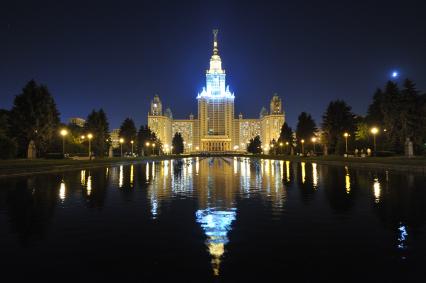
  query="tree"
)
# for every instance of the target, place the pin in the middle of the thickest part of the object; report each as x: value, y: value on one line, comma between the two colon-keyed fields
x: 34, y: 116
x: 306, y: 127
x: 374, y: 112
x: 177, y: 143
x: 255, y: 145
x: 399, y: 114
x: 8, y: 145
x: 128, y: 133
x: 97, y: 125
x: 145, y: 135
x: 286, y: 136
x: 413, y: 115
x: 337, y: 120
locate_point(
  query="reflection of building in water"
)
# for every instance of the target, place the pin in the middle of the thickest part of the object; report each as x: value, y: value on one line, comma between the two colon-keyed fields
x: 302, y: 164
x: 218, y: 181
x: 314, y: 175
x: 377, y: 190
x: 89, y: 185
x: 347, y: 180
x: 402, y: 237
x: 216, y: 203
x: 62, y: 190
x: 168, y: 178
x: 216, y: 224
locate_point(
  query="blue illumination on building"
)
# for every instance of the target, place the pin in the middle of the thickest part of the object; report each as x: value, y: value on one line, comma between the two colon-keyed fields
x: 216, y: 225
x: 215, y: 77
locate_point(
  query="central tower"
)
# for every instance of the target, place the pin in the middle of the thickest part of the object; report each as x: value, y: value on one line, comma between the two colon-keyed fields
x: 216, y: 107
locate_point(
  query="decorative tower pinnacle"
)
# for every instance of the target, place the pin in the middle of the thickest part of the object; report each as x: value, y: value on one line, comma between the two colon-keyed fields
x: 215, y: 49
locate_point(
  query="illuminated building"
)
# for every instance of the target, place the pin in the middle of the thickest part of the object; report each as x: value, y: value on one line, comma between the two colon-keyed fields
x: 115, y: 138
x: 77, y: 122
x: 216, y: 129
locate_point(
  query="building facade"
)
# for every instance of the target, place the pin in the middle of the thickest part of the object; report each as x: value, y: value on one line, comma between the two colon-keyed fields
x: 77, y: 121
x: 216, y: 129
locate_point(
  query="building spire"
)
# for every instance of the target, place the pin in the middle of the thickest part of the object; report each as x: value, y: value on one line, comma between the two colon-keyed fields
x: 215, y: 50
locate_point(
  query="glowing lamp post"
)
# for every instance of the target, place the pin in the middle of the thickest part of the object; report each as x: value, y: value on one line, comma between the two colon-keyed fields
x: 63, y: 133
x: 374, y: 131
x: 90, y: 137
x: 346, y: 135
x: 314, y: 140
x: 121, y: 146
x: 153, y: 147
x: 281, y: 146
x: 132, y: 142
x: 302, y: 142
x: 147, y: 145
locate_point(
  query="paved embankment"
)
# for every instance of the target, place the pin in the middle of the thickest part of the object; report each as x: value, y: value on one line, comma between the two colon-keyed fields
x: 11, y: 168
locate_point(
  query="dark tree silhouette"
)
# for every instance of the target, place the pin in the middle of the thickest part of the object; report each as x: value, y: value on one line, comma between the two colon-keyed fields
x: 337, y: 120
x: 34, y: 116
x: 306, y: 127
x: 97, y: 125
x: 128, y: 133
x: 255, y: 145
x: 177, y: 144
x: 286, y: 136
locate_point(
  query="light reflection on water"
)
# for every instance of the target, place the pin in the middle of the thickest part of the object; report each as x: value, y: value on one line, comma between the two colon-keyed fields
x: 229, y: 196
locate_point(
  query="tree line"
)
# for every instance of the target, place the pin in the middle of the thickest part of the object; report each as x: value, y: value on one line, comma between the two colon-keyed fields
x: 145, y: 142
x: 398, y: 113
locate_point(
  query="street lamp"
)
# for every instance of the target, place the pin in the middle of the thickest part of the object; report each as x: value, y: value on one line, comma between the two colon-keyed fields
x: 147, y: 145
x: 153, y: 147
x: 302, y: 142
x: 374, y: 131
x: 314, y: 140
x: 132, y: 146
x: 346, y: 135
x: 63, y: 133
x: 89, y: 137
x: 121, y: 146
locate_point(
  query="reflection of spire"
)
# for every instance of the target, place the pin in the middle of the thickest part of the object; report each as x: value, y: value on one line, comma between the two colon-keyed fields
x: 216, y: 224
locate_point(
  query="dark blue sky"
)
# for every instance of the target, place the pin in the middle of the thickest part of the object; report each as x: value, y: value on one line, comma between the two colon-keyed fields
x: 118, y: 54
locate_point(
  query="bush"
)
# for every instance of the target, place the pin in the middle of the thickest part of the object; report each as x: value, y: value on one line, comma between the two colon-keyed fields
x: 8, y: 147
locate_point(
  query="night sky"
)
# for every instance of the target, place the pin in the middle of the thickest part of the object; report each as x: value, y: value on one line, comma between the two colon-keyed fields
x: 118, y: 54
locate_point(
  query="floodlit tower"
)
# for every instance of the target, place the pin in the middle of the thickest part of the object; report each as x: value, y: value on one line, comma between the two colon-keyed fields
x: 276, y: 105
x: 216, y: 106
x: 156, y: 106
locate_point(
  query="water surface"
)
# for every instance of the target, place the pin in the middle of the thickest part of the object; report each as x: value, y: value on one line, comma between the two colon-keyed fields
x: 214, y: 220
